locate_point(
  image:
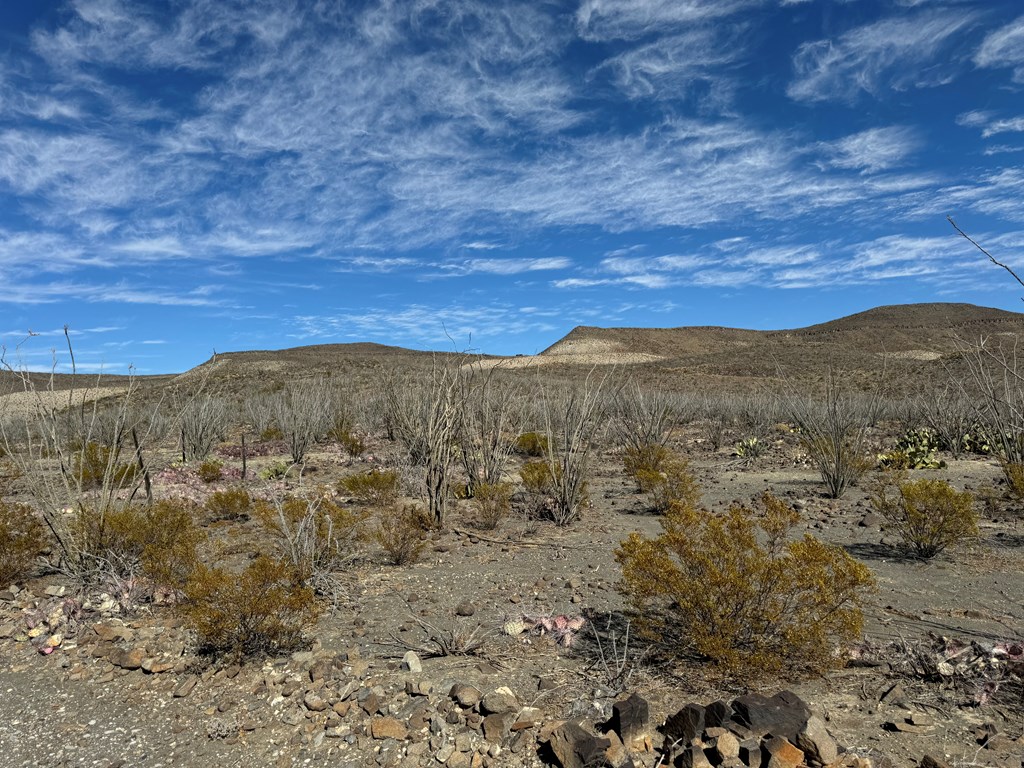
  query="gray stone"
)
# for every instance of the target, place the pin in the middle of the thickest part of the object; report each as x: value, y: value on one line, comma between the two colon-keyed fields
x: 499, y: 701
x: 411, y: 663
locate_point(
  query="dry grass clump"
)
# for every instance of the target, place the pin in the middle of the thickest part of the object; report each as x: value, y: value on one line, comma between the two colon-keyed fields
x: 400, y: 534
x: 21, y: 540
x: 265, y: 609
x: 707, y: 586
x: 377, y: 488
x: 929, y: 515
x: 229, y: 504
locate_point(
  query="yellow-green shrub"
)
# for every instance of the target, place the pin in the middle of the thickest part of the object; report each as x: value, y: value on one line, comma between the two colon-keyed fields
x: 1014, y: 474
x: 377, y: 488
x: 229, y: 504
x: 707, y: 587
x: 400, y: 534
x: 96, y: 465
x: 644, y: 462
x: 264, y: 609
x: 929, y: 515
x: 21, y: 541
x: 537, y: 477
x: 532, y: 444
x: 672, y: 483
x: 209, y: 471
x: 493, y: 502
x: 160, y: 540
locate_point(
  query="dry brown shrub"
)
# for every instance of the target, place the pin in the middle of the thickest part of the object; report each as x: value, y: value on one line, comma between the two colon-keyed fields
x: 534, y: 444
x: 265, y: 609
x: 317, y: 536
x: 21, y: 540
x: 400, y: 534
x: 210, y: 470
x: 707, y: 587
x: 377, y: 488
x: 158, y: 542
x: 493, y: 502
x: 644, y: 462
x: 929, y: 515
x: 229, y: 504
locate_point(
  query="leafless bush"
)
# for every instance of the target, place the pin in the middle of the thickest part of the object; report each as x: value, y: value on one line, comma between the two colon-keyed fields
x: 492, y: 415
x: 315, y: 536
x: 717, y: 413
x: 950, y: 414
x: 202, y: 419
x: 640, y: 418
x: 571, y: 420
x: 999, y: 402
x: 404, y: 408
x: 443, y: 419
x: 303, y: 411
x: 834, y: 432
x: 260, y: 411
x: 75, y: 464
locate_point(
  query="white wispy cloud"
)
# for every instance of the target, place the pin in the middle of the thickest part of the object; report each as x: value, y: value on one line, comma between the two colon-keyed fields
x: 897, y: 52
x: 1009, y: 125
x: 1004, y: 48
x: 876, y: 149
x: 611, y: 19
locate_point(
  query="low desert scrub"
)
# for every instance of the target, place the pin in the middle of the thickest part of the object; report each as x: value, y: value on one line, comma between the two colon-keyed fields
x: 732, y: 590
x: 317, y: 537
x: 157, y: 542
x: 95, y: 465
x: 493, y: 503
x: 643, y: 462
x: 210, y: 470
x: 533, y: 444
x: 400, y: 534
x: 458, y: 637
x: 265, y: 609
x: 377, y: 488
x: 229, y: 504
x: 21, y: 540
x: 1014, y: 474
x: 672, y: 484
x: 536, y: 477
x: 303, y: 411
x: 929, y: 515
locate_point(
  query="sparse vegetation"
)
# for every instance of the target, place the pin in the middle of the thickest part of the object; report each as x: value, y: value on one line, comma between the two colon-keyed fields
x: 21, y: 540
x: 400, y: 534
x: 929, y: 515
x: 265, y: 609
x: 707, y: 587
x: 493, y: 503
x: 377, y: 488
x: 229, y: 504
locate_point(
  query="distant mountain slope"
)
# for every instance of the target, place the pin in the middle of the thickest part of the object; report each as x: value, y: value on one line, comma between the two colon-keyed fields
x: 911, y: 342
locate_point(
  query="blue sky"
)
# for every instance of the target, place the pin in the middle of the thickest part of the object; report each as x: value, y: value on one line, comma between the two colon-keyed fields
x: 189, y: 175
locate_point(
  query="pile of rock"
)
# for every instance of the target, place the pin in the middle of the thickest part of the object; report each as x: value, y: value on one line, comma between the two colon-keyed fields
x: 751, y: 731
